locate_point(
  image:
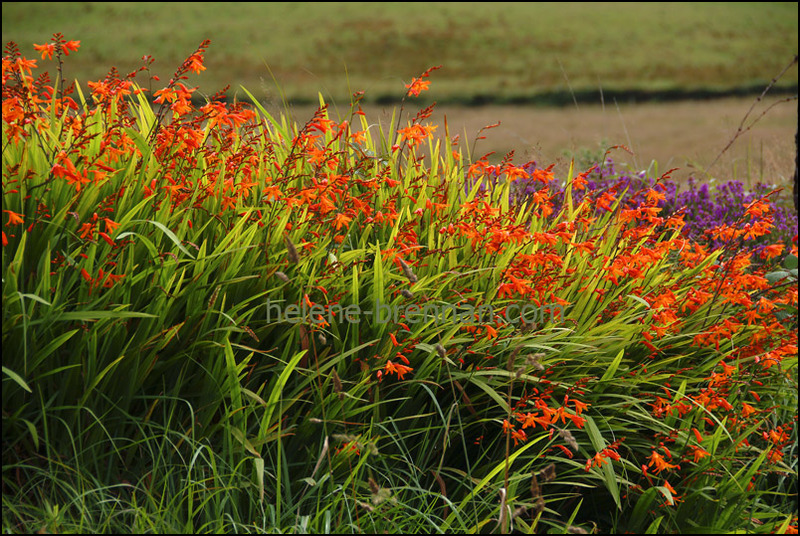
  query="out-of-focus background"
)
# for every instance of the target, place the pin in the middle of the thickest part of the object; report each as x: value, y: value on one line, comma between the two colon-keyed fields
x: 672, y: 81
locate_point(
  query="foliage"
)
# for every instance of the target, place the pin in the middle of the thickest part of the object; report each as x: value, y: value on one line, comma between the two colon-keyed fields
x: 215, y: 320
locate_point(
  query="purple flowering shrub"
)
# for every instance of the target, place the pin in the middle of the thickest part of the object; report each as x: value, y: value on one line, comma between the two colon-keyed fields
x: 704, y: 207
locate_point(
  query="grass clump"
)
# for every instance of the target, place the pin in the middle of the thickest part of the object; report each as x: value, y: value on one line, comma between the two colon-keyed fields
x: 216, y: 320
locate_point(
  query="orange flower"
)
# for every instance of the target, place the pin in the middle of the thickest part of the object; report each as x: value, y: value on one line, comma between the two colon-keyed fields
x: 111, y: 280
x: 675, y: 496
x: 70, y: 46
x: 416, y: 86
x: 161, y: 95
x: 654, y: 196
x: 416, y: 134
x: 111, y: 225
x: 518, y: 436
x: 491, y: 333
x: 597, y: 460
x: 400, y: 370
x: 579, y: 406
x: 341, y: 220
x: 660, y: 464
x: 699, y: 453
x: 87, y: 230
x: 14, y: 218
x: 774, y: 456
x: 195, y: 62
x: 747, y: 409
x: 46, y: 50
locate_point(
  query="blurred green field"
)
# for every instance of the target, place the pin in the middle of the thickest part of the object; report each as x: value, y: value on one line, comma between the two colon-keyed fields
x: 491, y: 52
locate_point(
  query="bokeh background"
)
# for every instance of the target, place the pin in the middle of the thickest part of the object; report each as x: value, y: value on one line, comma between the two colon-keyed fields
x: 671, y: 81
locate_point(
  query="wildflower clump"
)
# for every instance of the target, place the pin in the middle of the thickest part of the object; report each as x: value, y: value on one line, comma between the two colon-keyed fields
x: 199, y: 295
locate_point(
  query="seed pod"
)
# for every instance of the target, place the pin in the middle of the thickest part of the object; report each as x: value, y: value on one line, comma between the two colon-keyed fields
x: 321, y: 339
x: 365, y: 506
x: 440, y: 350
x: 373, y: 486
x: 569, y: 438
x: 407, y: 271
x: 214, y: 297
x: 519, y: 511
x: 291, y: 251
x: 250, y: 332
x: 535, y: 490
x: 548, y: 474
x: 337, y: 385
x: 406, y: 293
x: 283, y: 277
x: 576, y: 530
x: 512, y: 358
x: 533, y: 360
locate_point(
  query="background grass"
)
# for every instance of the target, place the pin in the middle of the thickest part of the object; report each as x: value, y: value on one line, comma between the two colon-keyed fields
x: 491, y: 52
x: 167, y: 402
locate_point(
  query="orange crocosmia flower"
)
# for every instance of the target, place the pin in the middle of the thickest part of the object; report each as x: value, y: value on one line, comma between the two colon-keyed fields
x: 358, y: 137
x: 671, y: 489
x: 111, y: 280
x: 400, y: 370
x: 196, y: 63
x: 604, y: 201
x: 774, y: 456
x: 597, y: 460
x: 660, y: 464
x: 518, y: 436
x: 491, y: 333
x: 530, y: 420
x: 579, y: 406
x: 416, y: 86
x: 322, y: 124
x: 111, y: 225
x: 70, y: 46
x: 771, y: 251
x: 654, y: 196
x: 576, y: 420
x: 87, y: 230
x: 699, y: 453
x: 181, y: 107
x: 341, y: 220
x: 747, y: 409
x: 416, y: 134
x: 14, y: 218
x: 46, y: 50
x: 757, y: 208
x: 25, y: 64
x: 513, y: 173
x: 583, y: 247
x: 565, y: 450
x: 165, y: 94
